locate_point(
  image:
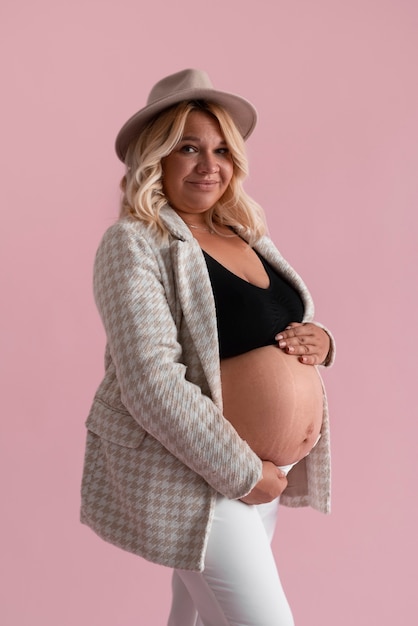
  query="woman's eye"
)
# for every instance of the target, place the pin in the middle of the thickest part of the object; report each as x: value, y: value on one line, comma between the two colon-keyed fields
x: 188, y: 149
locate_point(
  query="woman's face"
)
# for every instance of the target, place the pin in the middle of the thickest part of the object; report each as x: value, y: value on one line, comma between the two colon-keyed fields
x: 198, y: 171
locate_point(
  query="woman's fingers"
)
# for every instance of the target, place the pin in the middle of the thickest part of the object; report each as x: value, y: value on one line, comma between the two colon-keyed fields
x: 307, y: 341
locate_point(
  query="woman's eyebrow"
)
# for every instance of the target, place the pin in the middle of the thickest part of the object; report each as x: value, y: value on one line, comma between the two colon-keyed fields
x: 197, y: 139
x: 189, y: 138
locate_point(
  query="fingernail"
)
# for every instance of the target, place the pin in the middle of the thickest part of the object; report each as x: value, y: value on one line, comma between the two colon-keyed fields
x: 291, y: 349
x: 278, y: 337
x: 282, y: 344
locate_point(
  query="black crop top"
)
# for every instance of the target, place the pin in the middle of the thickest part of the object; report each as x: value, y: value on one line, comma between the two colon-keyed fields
x: 248, y: 316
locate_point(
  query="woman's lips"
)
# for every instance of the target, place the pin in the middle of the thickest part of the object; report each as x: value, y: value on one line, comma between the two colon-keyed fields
x: 205, y: 185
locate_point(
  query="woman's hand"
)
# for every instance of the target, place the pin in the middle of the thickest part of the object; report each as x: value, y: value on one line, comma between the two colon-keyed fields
x: 307, y: 341
x: 269, y: 487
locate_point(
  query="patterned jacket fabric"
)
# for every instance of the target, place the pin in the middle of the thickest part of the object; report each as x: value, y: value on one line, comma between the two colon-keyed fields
x: 158, y: 447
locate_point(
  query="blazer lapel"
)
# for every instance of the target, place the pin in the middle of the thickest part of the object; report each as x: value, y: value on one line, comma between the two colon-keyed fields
x: 196, y: 299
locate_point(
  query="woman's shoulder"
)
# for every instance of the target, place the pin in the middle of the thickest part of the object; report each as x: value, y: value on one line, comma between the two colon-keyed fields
x: 127, y: 232
x: 126, y: 243
x: 125, y: 227
x: 130, y: 228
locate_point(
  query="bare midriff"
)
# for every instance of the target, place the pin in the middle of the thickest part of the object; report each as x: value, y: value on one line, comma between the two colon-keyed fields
x: 274, y: 402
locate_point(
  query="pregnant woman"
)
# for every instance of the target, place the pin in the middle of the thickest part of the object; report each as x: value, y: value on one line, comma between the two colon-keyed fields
x: 211, y: 409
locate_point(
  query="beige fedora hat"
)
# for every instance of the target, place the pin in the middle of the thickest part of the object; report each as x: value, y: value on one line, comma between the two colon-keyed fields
x: 185, y: 85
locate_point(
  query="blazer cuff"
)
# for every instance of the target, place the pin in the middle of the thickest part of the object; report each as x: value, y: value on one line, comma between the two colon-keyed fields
x: 330, y: 358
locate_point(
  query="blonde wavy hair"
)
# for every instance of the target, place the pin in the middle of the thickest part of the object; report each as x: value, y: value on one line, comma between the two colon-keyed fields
x: 142, y: 185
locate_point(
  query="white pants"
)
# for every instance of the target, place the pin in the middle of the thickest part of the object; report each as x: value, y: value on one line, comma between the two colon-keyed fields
x: 240, y: 585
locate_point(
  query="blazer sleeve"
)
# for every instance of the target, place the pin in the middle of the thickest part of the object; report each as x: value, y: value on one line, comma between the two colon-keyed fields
x: 143, y: 342
x: 330, y: 358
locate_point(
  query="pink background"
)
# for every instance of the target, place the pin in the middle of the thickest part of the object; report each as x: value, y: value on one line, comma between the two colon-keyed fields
x: 333, y: 161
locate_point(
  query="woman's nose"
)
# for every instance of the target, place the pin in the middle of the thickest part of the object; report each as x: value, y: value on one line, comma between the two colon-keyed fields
x: 207, y: 163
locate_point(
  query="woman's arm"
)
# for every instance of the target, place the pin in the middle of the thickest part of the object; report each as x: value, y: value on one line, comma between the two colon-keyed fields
x: 310, y: 341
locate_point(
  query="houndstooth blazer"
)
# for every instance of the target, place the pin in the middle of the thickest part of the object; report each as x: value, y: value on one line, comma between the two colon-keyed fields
x: 158, y: 448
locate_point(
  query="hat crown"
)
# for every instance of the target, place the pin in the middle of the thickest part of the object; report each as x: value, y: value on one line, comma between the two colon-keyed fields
x: 176, y: 83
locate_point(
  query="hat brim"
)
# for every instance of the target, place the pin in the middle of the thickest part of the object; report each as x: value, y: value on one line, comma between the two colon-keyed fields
x: 241, y: 111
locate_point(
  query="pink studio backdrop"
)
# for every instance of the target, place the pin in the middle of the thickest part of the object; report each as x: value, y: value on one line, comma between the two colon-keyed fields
x: 334, y: 163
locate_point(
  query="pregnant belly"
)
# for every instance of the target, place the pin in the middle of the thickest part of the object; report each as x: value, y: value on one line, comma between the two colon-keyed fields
x: 274, y: 402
